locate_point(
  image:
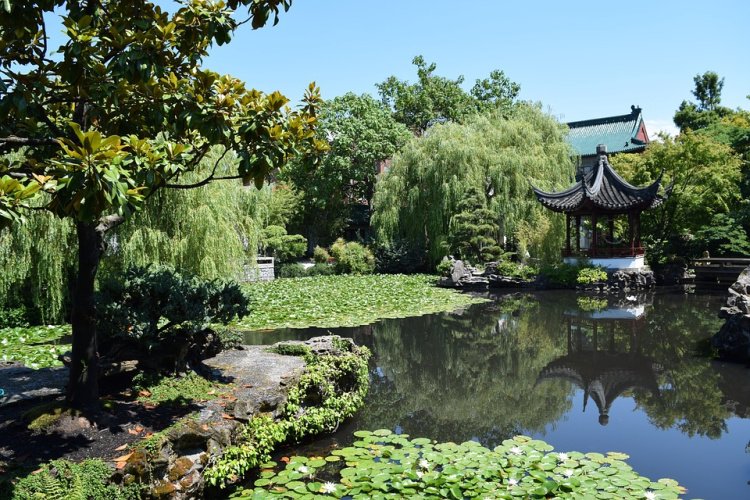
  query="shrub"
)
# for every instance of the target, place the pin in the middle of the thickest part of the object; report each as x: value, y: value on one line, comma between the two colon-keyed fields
x: 321, y: 270
x: 561, y: 274
x: 321, y: 255
x: 162, y: 318
x: 14, y: 317
x: 444, y: 267
x: 591, y: 275
x: 292, y: 270
x: 275, y: 242
x: 352, y: 257
x: 399, y: 258
x: 516, y: 270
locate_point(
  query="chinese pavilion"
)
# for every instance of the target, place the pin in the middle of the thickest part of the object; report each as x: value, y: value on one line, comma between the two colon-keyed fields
x: 606, y: 211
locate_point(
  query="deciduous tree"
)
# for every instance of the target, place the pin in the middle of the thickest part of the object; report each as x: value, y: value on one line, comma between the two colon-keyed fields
x: 122, y: 109
x: 435, y: 99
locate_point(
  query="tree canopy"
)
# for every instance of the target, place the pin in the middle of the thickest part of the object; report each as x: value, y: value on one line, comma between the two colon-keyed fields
x: 707, y: 110
x: 705, y: 175
x: 361, y: 134
x: 122, y: 109
x: 498, y: 156
x: 436, y: 99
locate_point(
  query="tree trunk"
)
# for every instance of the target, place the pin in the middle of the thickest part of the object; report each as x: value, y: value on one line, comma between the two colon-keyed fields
x: 83, y: 386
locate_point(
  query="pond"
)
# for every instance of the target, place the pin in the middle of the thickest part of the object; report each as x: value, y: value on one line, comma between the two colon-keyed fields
x: 583, y: 373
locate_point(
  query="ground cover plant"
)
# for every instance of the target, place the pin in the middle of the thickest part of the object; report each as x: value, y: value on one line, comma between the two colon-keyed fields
x: 332, y: 388
x: 335, y: 301
x: 385, y: 465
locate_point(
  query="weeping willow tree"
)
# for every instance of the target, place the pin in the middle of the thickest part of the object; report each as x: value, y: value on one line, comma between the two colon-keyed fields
x: 37, y: 260
x: 500, y: 156
x: 212, y: 231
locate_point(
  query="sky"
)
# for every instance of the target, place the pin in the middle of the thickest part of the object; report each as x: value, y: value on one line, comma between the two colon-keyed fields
x: 580, y: 59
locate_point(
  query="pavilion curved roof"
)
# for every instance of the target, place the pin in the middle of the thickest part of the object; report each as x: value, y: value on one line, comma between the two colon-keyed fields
x: 602, y: 188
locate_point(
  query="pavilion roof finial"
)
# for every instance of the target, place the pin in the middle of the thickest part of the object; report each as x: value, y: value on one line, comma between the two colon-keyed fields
x: 601, y: 149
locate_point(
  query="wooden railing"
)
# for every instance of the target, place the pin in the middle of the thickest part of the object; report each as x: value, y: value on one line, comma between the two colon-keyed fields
x: 718, y: 273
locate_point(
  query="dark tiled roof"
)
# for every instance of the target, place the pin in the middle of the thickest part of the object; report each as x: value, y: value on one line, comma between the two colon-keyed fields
x: 603, y: 189
x: 618, y: 133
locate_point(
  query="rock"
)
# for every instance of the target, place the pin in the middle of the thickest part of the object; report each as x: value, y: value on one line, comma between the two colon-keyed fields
x: 463, y: 276
x: 496, y: 281
x: 733, y: 339
x: 173, y: 466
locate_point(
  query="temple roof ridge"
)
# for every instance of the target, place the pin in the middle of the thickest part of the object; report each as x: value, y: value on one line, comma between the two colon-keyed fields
x: 603, y: 189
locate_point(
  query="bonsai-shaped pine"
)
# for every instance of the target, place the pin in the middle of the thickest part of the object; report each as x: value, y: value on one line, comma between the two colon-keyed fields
x: 472, y: 232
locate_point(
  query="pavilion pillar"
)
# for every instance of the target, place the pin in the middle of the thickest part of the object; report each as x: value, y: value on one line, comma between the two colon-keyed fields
x: 578, y: 234
x: 567, y: 234
x: 638, y: 229
x: 631, y: 233
x: 594, y: 238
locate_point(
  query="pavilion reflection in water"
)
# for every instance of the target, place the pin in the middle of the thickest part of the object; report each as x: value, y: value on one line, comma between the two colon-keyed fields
x: 604, y: 357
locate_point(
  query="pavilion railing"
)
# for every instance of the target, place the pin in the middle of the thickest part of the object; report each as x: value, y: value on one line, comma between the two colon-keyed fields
x: 605, y: 252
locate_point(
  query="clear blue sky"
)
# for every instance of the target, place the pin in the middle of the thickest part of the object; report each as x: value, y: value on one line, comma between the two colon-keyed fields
x: 581, y: 59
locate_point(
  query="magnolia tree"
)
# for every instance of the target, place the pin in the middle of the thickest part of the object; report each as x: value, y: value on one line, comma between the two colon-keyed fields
x: 121, y: 109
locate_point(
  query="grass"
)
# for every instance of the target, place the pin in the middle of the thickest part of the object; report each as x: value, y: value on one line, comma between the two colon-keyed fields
x: 345, y: 300
x: 178, y: 391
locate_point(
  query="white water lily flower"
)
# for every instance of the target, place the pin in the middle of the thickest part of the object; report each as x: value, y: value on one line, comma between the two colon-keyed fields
x: 562, y: 456
x: 50, y: 326
x: 329, y: 487
x: 4, y: 342
x: 516, y: 450
x: 303, y: 470
x: 512, y: 482
x: 650, y: 495
x: 568, y: 472
x: 424, y: 464
x: 22, y: 339
x: 420, y: 474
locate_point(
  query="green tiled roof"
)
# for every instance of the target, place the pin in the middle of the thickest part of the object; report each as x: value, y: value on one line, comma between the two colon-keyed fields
x: 618, y: 133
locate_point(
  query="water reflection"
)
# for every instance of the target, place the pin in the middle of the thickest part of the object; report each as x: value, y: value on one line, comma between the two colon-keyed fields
x: 531, y: 363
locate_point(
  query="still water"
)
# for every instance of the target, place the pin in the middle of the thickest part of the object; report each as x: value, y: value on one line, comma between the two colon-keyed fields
x: 624, y: 374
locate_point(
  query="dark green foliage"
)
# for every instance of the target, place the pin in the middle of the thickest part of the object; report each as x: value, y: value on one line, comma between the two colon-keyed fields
x: 352, y: 257
x: 516, y: 270
x: 399, y: 257
x: 560, y: 275
x: 444, y: 267
x: 284, y: 247
x: 292, y: 270
x: 707, y: 110
x: 437, y: 99
x: 155, y: 311
x: 14, y: 317
x: 473, y: 231
x: 320, y: 270
x: 723, y: 237
x: 291, y: 349
x: 361, y: 133
x: 65, y: 480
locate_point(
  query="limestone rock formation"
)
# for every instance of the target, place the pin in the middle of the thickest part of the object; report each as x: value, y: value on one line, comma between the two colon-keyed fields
x: 733, y: 340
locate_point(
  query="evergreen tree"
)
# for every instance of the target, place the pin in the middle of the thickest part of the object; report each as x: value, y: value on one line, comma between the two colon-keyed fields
x: 473, y: 231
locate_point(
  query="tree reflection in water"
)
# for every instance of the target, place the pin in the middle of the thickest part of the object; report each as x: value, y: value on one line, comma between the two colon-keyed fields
x: 513, y: 366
